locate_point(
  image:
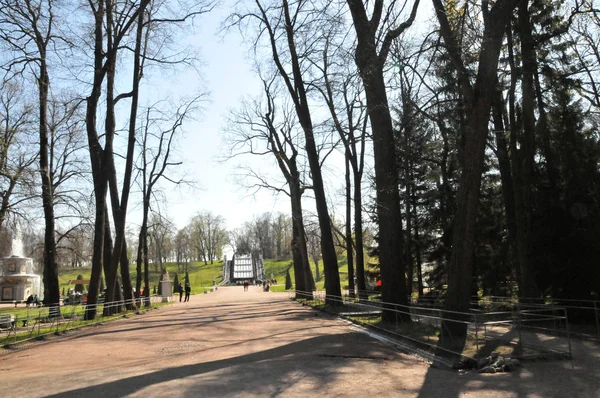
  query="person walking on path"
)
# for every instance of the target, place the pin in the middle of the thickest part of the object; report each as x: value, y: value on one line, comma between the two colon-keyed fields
x: 188, y: 289
x: 180, y: 290
x: 245, y: 286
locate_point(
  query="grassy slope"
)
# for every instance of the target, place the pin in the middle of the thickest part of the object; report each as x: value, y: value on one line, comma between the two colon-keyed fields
x: 278, y: 268
x: 201, y: 275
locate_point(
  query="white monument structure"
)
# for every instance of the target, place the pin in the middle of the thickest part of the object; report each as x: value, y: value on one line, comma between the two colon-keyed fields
x: 18, y: 279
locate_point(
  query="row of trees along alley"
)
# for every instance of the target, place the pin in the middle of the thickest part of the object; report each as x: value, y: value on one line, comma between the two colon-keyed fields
x: 482, y: 123
x: 467, y: 134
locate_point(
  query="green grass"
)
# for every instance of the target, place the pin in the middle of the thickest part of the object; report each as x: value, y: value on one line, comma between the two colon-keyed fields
x: 39, y: 324
x: 278, y: 268
x: 201, y: 275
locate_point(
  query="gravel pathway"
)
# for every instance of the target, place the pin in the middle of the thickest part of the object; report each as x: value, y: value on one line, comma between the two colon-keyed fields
x: 232, y: 343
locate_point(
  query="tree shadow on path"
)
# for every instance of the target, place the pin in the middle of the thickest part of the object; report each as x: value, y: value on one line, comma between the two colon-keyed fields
x: 270, y: 371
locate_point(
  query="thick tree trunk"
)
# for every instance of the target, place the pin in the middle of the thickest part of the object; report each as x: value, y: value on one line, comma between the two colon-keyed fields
x: 50, y: 275
x: 527, y: 150
x: 391, y: 255
x: 111, y: 267
x: 370, y: 66
x: 302, y: 274
x: 126, y: 278
x: 297, y: 91
x: 513, y: 152
x: 478, y: 101
x: 96, y: 158
x: 139, y: 264
x: 116, y: 288
x: 297, y: 256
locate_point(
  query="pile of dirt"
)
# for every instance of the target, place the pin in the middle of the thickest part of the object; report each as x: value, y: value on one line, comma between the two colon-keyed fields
x: 495, y: 363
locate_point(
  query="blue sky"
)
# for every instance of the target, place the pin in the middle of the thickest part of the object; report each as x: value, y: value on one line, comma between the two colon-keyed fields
x: 227, y: 76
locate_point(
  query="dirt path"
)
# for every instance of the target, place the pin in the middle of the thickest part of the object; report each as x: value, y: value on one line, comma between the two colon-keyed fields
x: 242, y: 344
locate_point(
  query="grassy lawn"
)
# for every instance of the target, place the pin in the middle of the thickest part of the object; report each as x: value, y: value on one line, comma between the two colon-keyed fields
x: 35, y: 323
x: 201, y: 275
x: 277, y: 268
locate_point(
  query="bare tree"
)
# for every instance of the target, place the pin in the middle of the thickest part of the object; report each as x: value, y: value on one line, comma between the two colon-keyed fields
x: 287, y: 27
x: 28, y: 29
x: 160, y: 234
x: 375, y: 35
x: 260, y: 130
x: 17, y: 157
x: 182, y: 249
x: 114, y: 24
x: 345, y: 102
x: 160, y: 130
x: 209, y: 236
x: 477, y: 102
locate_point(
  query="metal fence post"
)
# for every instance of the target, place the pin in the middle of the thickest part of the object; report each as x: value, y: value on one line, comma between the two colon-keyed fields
x: 518, y: 325
x: 596, y: 316
x: 568, y: 335
x: 476, y: 337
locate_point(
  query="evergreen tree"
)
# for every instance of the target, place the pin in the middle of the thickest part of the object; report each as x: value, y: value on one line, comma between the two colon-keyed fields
x: 79, y: 286
x: 176, y: 284
x: 288, y: 279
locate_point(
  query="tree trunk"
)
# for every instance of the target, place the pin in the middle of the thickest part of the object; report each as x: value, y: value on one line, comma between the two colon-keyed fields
x: 349, y: 246
x: 409, y: 255
x: 126, y: 278
x: 300, y: 253
x: 478, y: 100
x: 370, y: 66
x: 513, y: 152
x: 50, y: 275
x: 391, y: 256
x: 139, y: 263
x: 116, y: 288
x: 358, y: 236
x: 297, y: 91
x: 508, y: 192
x: 96, y: 158
x: 418, y: 254
x: 527, y: 150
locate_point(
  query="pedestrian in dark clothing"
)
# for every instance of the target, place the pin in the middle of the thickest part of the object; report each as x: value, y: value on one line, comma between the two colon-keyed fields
x: 245, y: 286
x: 188, y: 290
x: 180, y: 290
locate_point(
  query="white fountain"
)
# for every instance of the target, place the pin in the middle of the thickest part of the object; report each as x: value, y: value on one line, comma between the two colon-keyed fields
x: 18, y: 279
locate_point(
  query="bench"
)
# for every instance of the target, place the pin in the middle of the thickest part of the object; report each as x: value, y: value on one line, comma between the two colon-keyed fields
x: 7, y: 321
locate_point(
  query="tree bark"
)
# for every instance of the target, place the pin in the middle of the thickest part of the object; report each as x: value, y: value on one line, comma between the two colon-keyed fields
x: 508, y: 192
x: 296, y: 88
x: 478, y: 100
x: 50, y: 276
x: 370, y: 65
x: 358, y: 236
x: 96, y: 159
x: 526, y: 154
x: 349, y: 245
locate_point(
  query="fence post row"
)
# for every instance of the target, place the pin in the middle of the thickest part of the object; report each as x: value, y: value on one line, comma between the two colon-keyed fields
x: 32, y: 324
